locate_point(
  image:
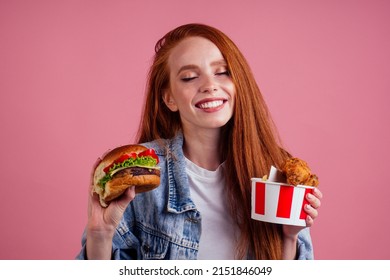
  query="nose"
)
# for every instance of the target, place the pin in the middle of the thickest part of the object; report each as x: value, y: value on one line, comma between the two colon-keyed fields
x: 208, y: 87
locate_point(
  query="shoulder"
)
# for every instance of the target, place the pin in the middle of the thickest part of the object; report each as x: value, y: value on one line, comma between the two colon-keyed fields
x: 167, y: 147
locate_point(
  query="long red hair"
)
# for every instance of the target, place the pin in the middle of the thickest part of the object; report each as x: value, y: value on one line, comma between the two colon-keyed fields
x: 250, y: 141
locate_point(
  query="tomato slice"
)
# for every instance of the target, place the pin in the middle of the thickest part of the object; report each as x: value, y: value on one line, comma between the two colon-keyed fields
x: 121, y: 159
x: 149, y: 152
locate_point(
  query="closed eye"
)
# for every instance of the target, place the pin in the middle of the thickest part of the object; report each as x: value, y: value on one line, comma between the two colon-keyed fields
x: 188, y: 79
x: 222, y: 73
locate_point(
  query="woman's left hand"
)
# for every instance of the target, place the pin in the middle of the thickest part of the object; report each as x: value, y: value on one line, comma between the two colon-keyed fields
x: 311, y: 209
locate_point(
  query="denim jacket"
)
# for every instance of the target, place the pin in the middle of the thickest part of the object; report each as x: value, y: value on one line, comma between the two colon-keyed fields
x: 164, y: 223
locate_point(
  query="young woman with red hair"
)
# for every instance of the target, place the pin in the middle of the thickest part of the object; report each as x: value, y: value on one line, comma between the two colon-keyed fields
x: 206, y: 119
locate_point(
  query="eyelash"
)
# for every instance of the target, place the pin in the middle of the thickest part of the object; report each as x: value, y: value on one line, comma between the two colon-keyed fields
x: 188, y: 79
x: 217, y: 74
x: 223, y: 73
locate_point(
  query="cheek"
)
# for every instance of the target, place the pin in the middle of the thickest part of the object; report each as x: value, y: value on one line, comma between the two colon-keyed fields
x: 232, y: 94
x: 183, y: 93
x: 232, y: 91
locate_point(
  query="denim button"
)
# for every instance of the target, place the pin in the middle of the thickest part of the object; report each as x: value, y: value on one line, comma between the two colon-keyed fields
x: 146, y: 248
x: 192, y: 220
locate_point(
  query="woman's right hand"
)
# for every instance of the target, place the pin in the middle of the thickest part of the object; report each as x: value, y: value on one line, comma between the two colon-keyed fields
x: 102, y: 222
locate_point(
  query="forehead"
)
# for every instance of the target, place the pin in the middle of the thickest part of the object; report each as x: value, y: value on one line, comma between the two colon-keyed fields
x: 194, y: 50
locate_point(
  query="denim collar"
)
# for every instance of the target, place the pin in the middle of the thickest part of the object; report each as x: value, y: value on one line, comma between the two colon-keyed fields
x: 178, y: 187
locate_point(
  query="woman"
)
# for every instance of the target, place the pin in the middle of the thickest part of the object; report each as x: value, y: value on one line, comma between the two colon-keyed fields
x: 205, y: 117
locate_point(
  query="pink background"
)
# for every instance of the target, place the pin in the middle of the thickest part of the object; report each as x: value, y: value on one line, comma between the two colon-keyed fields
x: 72, y: 81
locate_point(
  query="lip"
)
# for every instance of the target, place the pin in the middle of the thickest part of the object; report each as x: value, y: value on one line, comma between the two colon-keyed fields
x: 211, y: 104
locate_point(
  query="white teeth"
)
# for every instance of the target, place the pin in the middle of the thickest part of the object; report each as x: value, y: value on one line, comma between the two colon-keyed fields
x: 211, y: 104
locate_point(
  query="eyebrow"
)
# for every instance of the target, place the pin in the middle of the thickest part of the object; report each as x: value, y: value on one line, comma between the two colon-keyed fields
x: 193, y: 66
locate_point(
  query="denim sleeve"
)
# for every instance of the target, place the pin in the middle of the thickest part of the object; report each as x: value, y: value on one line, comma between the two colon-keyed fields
x: 305, y: 246
x: 82, y: 255
x: 120, y: 250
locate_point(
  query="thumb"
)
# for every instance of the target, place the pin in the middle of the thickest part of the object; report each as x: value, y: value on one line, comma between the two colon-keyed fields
x: 115, y: 210
x: 124, y: 200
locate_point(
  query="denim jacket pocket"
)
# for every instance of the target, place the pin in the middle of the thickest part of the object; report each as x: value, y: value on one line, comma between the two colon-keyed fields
x: 154, y: 247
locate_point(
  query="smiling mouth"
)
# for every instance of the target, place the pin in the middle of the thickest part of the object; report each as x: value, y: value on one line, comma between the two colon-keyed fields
x: 210, y: 104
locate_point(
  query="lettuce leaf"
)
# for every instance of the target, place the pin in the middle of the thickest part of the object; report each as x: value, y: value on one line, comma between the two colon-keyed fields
x: 146, y: 161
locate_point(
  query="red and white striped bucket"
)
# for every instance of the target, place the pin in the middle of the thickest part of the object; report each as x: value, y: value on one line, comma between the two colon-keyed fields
x: 279, y: 203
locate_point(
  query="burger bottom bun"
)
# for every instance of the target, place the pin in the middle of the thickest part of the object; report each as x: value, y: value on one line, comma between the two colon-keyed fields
x: 117, y: 186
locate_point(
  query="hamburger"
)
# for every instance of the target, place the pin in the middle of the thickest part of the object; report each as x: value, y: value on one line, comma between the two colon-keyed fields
x: 123, y: 167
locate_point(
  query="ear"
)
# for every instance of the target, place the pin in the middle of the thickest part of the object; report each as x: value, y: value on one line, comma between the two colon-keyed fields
x: 170, y: 101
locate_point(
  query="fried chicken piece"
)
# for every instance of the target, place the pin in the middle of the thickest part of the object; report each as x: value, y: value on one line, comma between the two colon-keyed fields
x: 298, y: 173
x: 311, y: 181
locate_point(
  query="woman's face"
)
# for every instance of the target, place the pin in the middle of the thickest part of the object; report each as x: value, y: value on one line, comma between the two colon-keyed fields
x: 200, y: 85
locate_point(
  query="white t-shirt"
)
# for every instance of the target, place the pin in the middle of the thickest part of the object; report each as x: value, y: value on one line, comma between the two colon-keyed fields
x: 218, y: 229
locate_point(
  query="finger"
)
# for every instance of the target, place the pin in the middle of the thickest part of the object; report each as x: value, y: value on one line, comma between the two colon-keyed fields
x: 98, y: 160
x: 309, y: 221
x: 317, y: 193
x: 312, y: 212
x: 93, y: 204
x: 94, y: 199
x: 96, y: 163
x: 313, y: 200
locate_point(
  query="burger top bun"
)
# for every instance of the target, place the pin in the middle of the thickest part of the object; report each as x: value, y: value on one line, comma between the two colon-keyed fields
x: 118, y: 185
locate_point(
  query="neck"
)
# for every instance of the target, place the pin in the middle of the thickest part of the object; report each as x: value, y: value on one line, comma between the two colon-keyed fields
x: 202, y: 147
